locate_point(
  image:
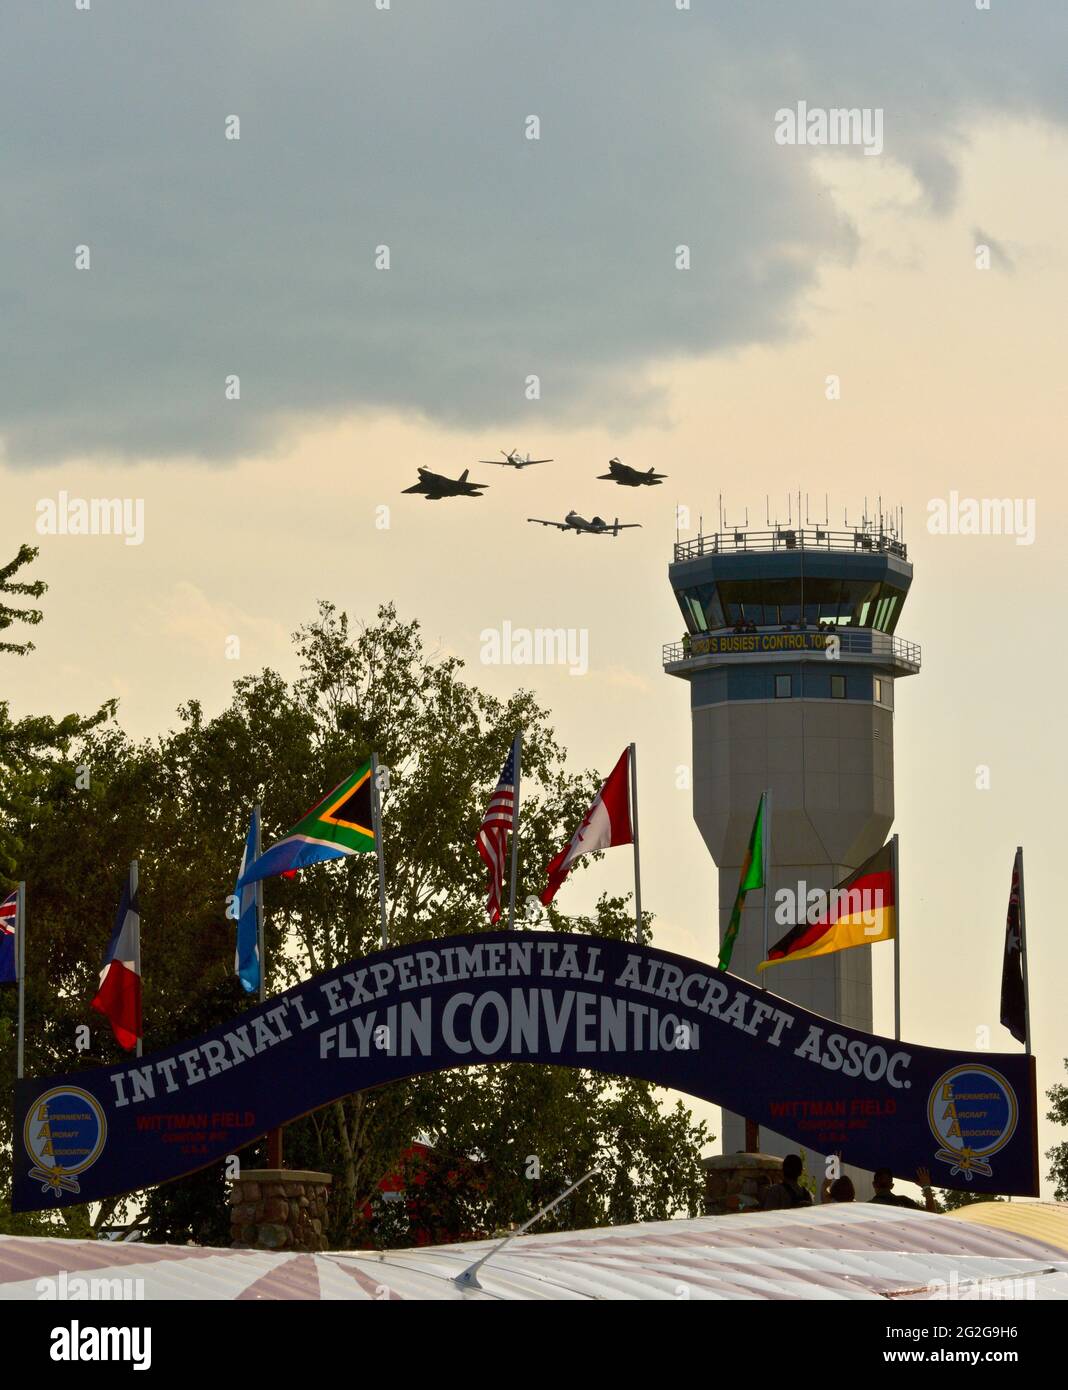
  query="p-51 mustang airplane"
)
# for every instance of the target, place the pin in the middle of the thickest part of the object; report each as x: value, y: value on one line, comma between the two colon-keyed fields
x: 514, y: 459
x: 626, y: 476
x: 434, y: 487
x: 578, y: 524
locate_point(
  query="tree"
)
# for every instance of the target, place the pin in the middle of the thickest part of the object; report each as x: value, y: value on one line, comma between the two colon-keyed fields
x: 1058, y: 1155
x: 34, y: 766
x: 180, y: 804
x: 952, y: 1199
x: 10, y: 588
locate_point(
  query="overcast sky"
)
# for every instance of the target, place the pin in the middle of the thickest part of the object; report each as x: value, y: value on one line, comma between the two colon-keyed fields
x: 407, y: 128
x: 556, y: 257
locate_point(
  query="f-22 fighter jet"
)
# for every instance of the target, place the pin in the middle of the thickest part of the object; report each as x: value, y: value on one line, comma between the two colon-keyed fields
x: 434, y: 486
x: 625, y: 476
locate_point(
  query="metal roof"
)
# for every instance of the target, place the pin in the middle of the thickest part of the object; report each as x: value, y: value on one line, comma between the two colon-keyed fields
x: 848, y: 1251
x: 1046, y: 1221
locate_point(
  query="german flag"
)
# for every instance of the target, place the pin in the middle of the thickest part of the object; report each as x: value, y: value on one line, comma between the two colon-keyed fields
x: 861, y: 909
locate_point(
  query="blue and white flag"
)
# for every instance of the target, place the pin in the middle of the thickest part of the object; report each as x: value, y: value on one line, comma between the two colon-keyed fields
x: 247, y: 954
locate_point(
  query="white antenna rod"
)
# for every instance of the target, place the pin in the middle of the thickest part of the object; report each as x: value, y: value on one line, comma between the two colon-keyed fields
x: 468, y: 1279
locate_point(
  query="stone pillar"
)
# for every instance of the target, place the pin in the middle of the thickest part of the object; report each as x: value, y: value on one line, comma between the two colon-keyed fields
x: 279, y: 1209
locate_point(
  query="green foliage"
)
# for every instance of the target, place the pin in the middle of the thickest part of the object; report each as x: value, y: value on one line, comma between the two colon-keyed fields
x: 180, y: 804
x: 952, y: 1199
x: 1058, y: 1155
x: 10, y: 588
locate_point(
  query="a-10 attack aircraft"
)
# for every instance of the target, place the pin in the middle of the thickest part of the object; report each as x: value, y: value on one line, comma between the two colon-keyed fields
x: 434, y: 487
x: 578, y: 525
x: 514, y: 459
x: 626, y: 476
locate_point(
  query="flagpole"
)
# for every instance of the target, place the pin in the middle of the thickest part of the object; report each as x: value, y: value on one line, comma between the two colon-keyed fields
x: 137, y: 949
x: 765, y: 851
x: 20, y: 947
x: 260, y: 945
x: 897, y: 937
x: 376, y: 812
x: 518, y: 745
x: 1023, y: 956
x: 637, y: 857
x: 274, y: 1136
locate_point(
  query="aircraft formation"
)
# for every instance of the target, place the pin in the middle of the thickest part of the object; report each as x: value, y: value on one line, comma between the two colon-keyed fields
x: 436, y: 486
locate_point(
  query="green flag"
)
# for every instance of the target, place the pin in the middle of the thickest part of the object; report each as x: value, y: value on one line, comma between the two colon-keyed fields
x: 752, y: 877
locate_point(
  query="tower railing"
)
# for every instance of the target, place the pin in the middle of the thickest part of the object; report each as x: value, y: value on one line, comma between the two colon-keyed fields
x: 792, y: 641
x: 791, y: 538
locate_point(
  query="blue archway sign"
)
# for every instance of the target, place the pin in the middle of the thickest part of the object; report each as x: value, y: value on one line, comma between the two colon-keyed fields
x: 576, y: 1001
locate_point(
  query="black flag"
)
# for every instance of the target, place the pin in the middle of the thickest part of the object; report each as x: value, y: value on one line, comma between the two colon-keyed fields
x: 1013, y: 1005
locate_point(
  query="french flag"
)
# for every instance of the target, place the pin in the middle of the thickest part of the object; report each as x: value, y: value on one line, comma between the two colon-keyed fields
x: 119, y: 995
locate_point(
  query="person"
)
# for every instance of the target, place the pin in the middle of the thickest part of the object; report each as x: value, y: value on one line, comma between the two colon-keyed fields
x: 789, y: 1192
x: 883, y: 1182
x: 686, y: 644
x: 842, y: 1190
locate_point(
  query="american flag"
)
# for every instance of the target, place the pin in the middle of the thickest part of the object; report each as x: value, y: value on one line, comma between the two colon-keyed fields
x: 8, y: 915
x: 492, y: 840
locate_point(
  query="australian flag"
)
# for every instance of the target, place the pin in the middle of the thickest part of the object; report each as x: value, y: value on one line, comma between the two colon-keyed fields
x: 9, y: 909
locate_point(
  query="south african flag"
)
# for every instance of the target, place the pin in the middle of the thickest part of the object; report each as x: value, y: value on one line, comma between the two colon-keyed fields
x: 338, y: 825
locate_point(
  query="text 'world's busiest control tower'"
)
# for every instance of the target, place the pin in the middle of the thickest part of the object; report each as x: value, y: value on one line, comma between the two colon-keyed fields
x: 792, y: 659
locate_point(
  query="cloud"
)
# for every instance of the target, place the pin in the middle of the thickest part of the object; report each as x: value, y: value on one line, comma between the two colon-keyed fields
x: 190, y: 616
x: 405, y: 127
x: 1000, y: 255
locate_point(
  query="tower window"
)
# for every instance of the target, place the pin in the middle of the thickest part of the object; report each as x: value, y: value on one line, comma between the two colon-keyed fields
x: 838, y: 687
x: 878, y: 691
x: 784, y: 687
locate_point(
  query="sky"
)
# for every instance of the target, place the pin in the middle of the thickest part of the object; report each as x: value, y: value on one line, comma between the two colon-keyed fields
x: 213, y: 258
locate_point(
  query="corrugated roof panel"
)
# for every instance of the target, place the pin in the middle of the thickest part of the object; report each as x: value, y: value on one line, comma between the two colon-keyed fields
x: 1046, y: 1221
x: 853, y: 1251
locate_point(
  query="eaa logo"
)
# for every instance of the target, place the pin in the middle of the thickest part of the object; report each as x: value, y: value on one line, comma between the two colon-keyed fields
x: 972, y: 1112
x: 64, y: 1135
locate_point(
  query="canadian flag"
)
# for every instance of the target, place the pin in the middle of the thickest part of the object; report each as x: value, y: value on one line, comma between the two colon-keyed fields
x: 605, y: 824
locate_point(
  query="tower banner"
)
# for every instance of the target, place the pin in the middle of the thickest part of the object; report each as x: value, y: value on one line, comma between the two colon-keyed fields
x: 754, y: 643
x: 541, y: 997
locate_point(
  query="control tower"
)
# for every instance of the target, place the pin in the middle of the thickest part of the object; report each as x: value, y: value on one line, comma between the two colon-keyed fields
x: 792, y: 660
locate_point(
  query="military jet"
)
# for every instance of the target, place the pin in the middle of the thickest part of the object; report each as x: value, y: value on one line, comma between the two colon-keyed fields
x: 626, y: 476
x: 514, y: 459
x: 434, y: 486
x: 578, y: 524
